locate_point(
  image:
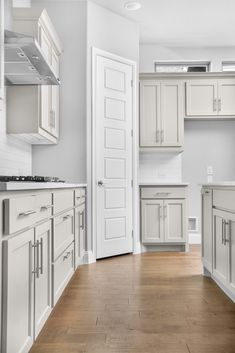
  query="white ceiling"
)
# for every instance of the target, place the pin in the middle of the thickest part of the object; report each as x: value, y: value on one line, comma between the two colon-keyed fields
x: 180, y: 22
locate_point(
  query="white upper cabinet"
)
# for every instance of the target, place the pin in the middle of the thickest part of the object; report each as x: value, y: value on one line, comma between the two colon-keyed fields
x: 201, y: 97
x: 36, y: 107
x: 226, y: 97
x: 1, y: 55
x: 210, y: 97
x: 161, y: 114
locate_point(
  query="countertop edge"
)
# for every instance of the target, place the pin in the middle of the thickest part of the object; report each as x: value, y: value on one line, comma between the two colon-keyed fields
x: 21, y: 186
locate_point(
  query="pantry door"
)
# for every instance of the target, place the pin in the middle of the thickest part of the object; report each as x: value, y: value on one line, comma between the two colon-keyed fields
x: 113, y: 156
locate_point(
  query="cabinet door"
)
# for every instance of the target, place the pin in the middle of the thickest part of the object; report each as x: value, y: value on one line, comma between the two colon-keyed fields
x: 201, y: 98
x: 55, y: 97
x: 172, y: 119
x: 18, y: 265
x: 42, y: 276
x: 1, y: 55
x: 220, y: 252
x: 80, y: 226
x: 226, y: 97
x: 150, y: 123
x: 174, y: 221
x: 230, y: 240
x: 207, y: 222
x: 152, y: 221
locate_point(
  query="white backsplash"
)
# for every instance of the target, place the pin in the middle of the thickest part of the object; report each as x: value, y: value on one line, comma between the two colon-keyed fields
x: 160, y: 167
x: 15, y: 155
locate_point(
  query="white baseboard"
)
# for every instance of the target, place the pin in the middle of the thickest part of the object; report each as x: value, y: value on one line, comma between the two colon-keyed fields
x: 194, y: 238
x: 89, y: 257
x: 137, y: 248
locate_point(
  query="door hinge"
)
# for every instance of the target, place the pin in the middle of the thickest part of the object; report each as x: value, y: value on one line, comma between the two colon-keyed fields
x: 132, y: 183
x: 132, y: 133
x: 132, y: 233
x: 132, y: 83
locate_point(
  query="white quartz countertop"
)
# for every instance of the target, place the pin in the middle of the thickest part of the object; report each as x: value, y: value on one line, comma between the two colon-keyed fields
x: 219, y: 183
x: 156, y: 183
x: 14, y: 186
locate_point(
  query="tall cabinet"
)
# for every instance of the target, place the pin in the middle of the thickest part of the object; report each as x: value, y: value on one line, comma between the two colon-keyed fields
x: 161, y: 114
x: 36, y: 107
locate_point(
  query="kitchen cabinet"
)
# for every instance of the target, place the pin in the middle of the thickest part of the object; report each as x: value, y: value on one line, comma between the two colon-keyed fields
x: 36, y: 107
x: 163, y: 215
x: 218, y: 234
x: 1, y: 54
x: 207, y: 222
x: 80, y: 231
x: 27, y: 295
x: 210, y: 97
x: 18, y: 293
x: 161, y: 114
x: 43, y: 303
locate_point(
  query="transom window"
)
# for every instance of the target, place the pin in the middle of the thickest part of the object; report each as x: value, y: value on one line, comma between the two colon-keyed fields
x: 179, y: 66
x: 228, y: 66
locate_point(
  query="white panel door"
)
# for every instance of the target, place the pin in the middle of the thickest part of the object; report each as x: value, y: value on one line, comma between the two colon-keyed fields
x: 220, y: 263
x: 172, y: 118
x: 174, y: 221
x: 152, y: 230
x: 150, y: 114
x: 226, y: 97
x: 18, y: 298
x: 201, y: 97
x: 43, y: 276
x: 113, y: 126
x: 1, y: 55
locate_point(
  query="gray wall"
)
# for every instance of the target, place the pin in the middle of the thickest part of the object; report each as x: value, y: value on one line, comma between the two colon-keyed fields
x: 207, y: 143
x: 68, y: 159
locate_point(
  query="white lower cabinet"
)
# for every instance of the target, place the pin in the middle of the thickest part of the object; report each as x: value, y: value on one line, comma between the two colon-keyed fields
x: 207, y: 223
x: 18, y: 293
x: 43, y: 302
x: 163, y: 217
x: 80, y: 229
x: 224, y: 249
x: 63, y: 269
x: 27, y: 287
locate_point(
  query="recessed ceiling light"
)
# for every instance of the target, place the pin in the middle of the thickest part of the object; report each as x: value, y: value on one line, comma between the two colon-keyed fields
x: 132, y: 5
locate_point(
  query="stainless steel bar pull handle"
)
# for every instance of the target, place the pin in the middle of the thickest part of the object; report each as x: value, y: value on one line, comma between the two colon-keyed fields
x: 41, y: 256
x: 214, y: 104
x: 27, y: 213
x: 219, y: 105
x: 165, y: 211
x: 227, y: 237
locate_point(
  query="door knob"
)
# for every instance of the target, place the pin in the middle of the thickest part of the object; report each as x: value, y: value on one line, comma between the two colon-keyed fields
x: 100, y: 183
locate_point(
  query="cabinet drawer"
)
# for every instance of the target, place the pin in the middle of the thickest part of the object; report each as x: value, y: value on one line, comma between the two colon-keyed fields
x: 224, y: 199
x: 19, y: 213
x: 62, y: 200
x: 63, y: 270
x: 80, y: 196
x: 163, y: 193
x: 44, y: 206
x: 63, y: 233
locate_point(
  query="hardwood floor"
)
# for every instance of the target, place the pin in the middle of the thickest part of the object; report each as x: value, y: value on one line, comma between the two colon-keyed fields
x: 149, y: 303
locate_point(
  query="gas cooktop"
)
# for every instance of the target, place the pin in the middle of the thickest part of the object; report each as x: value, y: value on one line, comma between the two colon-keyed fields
x: 30, y: 178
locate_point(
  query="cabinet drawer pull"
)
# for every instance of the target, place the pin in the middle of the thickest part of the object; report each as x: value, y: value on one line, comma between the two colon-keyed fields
x: 65, y: 257
x: 214, y: 104
x: 219, y: 105
x: 227, y: 237
x: 66, y: 217
x: 27, y: 213
x: 46, y: 207
x: 41, y: 256
x: 162, y: 136
x: 162, y: 193
x: 165, y: 211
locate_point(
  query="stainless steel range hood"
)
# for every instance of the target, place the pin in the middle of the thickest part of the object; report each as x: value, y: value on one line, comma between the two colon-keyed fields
x: 25, y: 63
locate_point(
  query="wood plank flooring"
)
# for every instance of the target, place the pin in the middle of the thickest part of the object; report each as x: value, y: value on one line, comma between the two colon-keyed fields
x: 149, y: 303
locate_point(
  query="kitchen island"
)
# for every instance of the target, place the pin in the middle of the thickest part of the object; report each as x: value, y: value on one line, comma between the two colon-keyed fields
x: 218, y: 234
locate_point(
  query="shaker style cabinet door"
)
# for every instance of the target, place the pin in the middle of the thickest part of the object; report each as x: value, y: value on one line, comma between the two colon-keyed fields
x: 207, y: 222
x: 42, y: 275
x: 80, y: 228
x: 174, y: 221
x: 18, y: 293
x: 150, y: 114
x: 226, y: 97
x: 172, y: 122
x: 230, y: 240
x: 220, y: 256
x: 152, y: 221
x: 201, y: 97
